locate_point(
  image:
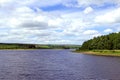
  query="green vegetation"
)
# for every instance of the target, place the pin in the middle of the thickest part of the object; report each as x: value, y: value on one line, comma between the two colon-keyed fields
x: 64, y: 46
x: 36, y: 46
x: 107, y: 45
x: 106, y: 42
x: 16, y: 46
x: 101, y: 52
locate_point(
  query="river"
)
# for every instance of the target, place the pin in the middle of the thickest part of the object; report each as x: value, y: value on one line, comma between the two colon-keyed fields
x: 49, y: 64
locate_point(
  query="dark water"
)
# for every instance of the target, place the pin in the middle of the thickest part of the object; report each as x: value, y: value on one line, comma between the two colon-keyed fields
x: 56, y: 65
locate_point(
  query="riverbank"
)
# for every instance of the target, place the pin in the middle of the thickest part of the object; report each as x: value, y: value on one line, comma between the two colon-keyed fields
x: 18, y: 49
x: 31, y: 49
x: 101, y: 52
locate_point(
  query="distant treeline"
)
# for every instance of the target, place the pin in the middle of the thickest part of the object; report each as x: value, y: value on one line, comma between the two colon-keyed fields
x: 36, y: 46
x: 64, y: 46
x: 16, y: 46
x: 110, y: 42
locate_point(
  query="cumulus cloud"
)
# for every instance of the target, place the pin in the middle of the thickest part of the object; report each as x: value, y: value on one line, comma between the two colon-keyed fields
x: 109, y: 17
x: 88, y: 10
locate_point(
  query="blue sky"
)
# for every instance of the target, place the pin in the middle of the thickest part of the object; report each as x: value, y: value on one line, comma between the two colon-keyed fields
x: 57, y: 21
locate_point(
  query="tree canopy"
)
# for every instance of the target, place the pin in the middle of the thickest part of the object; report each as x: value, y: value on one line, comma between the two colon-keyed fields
x: 110, y: 42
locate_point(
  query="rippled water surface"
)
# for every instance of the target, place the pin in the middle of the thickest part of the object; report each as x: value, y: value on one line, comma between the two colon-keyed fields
x: 56, y: 65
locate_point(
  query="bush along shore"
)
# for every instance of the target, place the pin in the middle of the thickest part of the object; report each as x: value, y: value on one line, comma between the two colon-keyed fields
x: 106, y: 45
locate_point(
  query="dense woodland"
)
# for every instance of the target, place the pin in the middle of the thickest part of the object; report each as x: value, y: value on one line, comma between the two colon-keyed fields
x: 16, y: 46
x: 105, y: 42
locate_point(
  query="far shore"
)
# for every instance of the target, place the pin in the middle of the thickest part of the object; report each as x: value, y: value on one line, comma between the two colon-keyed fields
x: 31, y: 49
x: 113, y: 53
x: 17, y: 49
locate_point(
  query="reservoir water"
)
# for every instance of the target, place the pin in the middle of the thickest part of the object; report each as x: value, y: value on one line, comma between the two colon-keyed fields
x: 56, y: 65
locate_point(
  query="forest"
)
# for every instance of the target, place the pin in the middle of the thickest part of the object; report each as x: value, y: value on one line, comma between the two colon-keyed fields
x: 16, y: 46
x: 104, y: 42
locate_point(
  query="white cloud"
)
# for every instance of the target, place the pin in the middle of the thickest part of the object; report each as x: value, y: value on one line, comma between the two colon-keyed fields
x: 23, y: 9
x: 109, y: 17
x: 90, y: 32
x: 108, y: 30
x: 88, y: 10
x: 55, y: 22
x: 4, y: 1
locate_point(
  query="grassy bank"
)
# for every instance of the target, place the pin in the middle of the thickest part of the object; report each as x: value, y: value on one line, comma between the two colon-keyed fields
x: 101, y: 52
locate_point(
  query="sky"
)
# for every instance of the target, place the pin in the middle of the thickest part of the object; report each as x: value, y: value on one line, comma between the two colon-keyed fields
x: 57, y: 21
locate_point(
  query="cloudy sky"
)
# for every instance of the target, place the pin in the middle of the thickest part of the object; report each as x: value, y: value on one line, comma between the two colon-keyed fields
x: 57, y: 21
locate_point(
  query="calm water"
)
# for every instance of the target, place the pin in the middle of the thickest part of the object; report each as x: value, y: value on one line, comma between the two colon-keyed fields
x: 56, y: 65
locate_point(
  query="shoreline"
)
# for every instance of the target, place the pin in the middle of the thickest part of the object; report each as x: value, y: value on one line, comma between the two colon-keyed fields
x: 18, y: 49
x: 28, y: 49
x: 109, y: 53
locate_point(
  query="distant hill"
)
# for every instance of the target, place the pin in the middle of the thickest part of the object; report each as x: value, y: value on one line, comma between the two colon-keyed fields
x: 105, y: 42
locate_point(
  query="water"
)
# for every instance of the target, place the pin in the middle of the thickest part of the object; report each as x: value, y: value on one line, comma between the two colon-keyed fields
x: 56, y: 65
